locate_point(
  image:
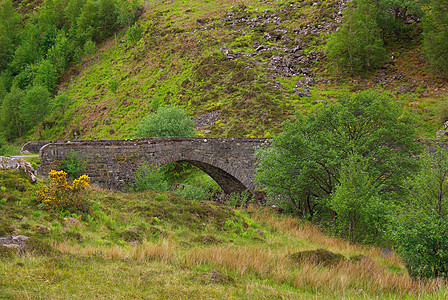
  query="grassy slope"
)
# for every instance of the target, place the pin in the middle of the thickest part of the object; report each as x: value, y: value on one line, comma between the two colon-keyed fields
x: 179, y: 61
x: 175, y: 248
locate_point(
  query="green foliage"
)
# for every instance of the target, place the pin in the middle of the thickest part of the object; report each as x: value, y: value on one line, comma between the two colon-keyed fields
x: 442, y: 111
x: 89, y: 48
x: 360, y: 211
x: 301, y: 169
x: 435, y: 33
x: 10, y: 25
x: 239, y: 199
x: 357, y: 46
x: 168, y: 121
x: 73, y: 165
x: 393, y: 15
x: 61, y: 102
x: 194, y: 192
x: 3, y: 145
x: 134, y: 35
x: 148, y: 178
x: 113, y: 87
x: 10, y: 117
x: 419, y: 229
x: 35, y: 105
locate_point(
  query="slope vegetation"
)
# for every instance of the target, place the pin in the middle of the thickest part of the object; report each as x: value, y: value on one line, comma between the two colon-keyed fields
x: 250, y: 65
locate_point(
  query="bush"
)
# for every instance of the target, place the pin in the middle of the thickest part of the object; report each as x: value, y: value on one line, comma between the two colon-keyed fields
x: 73, y: 165
x: 149, y: 178
x: 357, y: 46
x: 168, y: 121
x: 420, y: 228
x: 60, y: 196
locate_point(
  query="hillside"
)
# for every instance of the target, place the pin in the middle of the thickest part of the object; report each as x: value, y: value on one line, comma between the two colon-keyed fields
x: 241, y: 68
x: 158, y: 245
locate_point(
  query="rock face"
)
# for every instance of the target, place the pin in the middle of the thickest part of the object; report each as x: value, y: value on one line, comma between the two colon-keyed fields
x: 7, y: 163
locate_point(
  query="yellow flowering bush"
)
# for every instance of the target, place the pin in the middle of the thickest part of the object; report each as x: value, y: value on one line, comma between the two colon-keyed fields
x: 59, y: 195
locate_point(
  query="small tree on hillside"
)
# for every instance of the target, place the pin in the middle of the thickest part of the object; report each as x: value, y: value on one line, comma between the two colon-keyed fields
x: 113, y: 87
x: 301, y: 170
x: 35, y: 105
x: 357, y: 46
x: 421, y: 226
x: 168, y: 121
x: 435, y: 33
x: 135, y: 34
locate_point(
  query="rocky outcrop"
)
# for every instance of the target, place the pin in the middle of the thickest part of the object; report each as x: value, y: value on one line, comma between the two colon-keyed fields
x: 8, y: 163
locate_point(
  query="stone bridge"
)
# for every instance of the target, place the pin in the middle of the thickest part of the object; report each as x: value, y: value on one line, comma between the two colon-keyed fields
x: 113, y: 163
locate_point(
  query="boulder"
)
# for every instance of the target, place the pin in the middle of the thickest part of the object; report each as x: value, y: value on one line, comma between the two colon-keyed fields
x: 8, y: 163
x: 23, y: 244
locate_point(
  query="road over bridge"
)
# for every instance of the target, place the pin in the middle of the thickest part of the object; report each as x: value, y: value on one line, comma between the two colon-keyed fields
x: 113, y: 163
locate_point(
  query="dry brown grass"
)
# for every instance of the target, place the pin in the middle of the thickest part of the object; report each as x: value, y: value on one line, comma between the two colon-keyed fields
x: 166, y: 251
x: 365, y: 276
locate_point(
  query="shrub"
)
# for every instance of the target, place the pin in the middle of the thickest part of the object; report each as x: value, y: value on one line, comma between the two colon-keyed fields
x: 73, y: 165
x: 419, y: 230
x: 168, y: 121
x: 59, y: 195
x: 149, y: 178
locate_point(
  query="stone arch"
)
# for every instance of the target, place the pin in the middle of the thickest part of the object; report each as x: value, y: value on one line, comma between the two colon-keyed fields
x: 230, y: 178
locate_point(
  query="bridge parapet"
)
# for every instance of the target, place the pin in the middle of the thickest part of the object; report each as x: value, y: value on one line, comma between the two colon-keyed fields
x: 113, y: 163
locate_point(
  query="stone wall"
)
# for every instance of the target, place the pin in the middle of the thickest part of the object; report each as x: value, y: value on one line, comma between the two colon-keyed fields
x: 113, y: 163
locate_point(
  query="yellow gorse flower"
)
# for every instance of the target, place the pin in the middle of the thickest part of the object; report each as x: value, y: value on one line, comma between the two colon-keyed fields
x: 60, y: 195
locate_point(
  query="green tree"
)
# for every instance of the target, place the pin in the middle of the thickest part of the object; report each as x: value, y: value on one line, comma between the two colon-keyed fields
x: 35, y: 105
x: 10, y: 25
x: 435, y: 33
x: 46, y: 75
x: 61, y: 102
x: 361, y: 214
x: 89, y: 48
x: 357, y: 46
x: 301, y: 169
x: 113, y: 87
x: 60, y: 54
x: 168, y: 121
x: 10, y: 118
x: 108, y: 15
x: 421, y: 226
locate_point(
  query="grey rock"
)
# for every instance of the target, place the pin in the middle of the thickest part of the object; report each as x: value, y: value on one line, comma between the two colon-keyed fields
x: 7, y: 163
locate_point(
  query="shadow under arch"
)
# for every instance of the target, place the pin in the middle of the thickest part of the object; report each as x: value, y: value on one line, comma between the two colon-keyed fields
x: 229, y: 177
x: 226, y: 181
